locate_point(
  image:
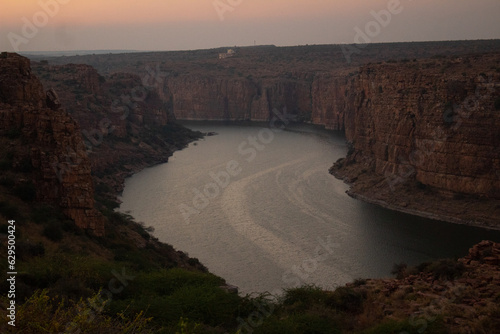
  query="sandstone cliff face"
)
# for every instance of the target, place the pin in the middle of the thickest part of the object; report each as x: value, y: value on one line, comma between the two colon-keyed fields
x: 54, y: 146
x: 432, y: 121
x: 424, y: 138
x: 236, y: 99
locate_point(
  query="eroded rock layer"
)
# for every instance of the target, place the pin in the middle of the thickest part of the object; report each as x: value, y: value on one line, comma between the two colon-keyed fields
x: 51, y: 144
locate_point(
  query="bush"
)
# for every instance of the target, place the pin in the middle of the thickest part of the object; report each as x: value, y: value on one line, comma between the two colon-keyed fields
x: 497, y: 104
x: 45, y: 213
x: 443, y: 269
x: 7, y: 181
x: 25, y: 249
x: 204, y: 303
x: 13, y: 133
x: 399, y: 270
x: 166, y: 282
x: 447, y: 269
x: 25, y: 191
x: 303, y: 297
x: 42, y: 314
x: 297, y: 324
x: 8, y: 210
x: 5, y: 164
x: 193, y: 261
x: 359, y: 282
x: 25, y: 165
x: 346, y: 299
x: 53, y: 231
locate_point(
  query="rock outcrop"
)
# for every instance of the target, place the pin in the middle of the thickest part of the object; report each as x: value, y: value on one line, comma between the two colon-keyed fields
x: 127, y: 123
x: 51, y: 143
x: 453, y: 296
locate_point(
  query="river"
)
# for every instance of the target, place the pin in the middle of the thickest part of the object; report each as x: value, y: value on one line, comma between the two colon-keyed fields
x: 258, y: 207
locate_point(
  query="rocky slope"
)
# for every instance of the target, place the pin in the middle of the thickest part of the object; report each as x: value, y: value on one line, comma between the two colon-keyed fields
x: 44, y: 144
x: 442, y: 297
x: 126, y: 124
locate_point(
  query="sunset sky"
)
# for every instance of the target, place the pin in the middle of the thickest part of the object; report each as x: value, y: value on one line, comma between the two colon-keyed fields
x: 61, y: 25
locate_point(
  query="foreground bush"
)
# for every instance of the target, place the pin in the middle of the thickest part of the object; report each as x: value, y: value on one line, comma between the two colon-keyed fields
x: 42, y: 314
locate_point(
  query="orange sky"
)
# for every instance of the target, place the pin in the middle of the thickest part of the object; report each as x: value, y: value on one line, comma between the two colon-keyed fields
x: 134, y: 11
x: 191, y: 24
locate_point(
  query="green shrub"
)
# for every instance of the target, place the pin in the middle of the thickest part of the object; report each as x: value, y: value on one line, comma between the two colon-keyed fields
x: 42, y: 314
x: 7, y: 181
x: 44, y: 213
x: 25, y: 191
x: 193, y: 261
x: 25, y: 165
x: 297, y: 324
x: 9, y: 211
x: 391, y: 327
x: 13, y: 133
x: 4, y: 228
x: 207, y: 304
x: 447, y: 269
x: 5, y: 164
x: 399, y: 270
x: 346, y: 299
x: 26, y: 249
x: 165, y: 282
x: 497, y: 104
x: 53, y: 231
x: 359, y: 282
x: 303, y: 297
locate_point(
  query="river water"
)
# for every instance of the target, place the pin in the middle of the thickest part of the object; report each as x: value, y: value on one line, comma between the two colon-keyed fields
x: 258, y: 207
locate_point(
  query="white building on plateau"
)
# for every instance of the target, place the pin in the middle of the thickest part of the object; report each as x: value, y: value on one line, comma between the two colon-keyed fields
x: 228, y: 54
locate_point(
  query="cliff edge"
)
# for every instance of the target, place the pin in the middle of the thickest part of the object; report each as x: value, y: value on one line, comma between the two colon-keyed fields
x: 44, y: 152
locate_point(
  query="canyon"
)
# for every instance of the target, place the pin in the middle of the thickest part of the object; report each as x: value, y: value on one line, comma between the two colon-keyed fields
x: 421, y: 119
x: 422, y: 135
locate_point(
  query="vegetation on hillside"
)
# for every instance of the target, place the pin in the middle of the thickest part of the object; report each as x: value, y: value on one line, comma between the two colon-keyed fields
x: 128, y: 282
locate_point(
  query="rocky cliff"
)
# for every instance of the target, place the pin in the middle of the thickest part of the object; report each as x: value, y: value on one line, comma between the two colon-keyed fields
x: 424, y: 137
x: 422, y: 131
x: 126, y: 123
x: 45, y: 144
x: 418, y: 130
